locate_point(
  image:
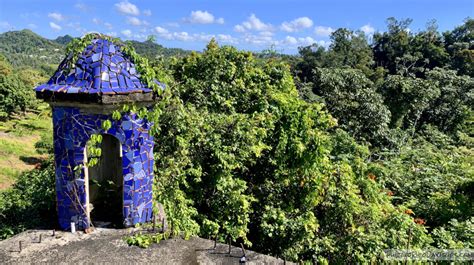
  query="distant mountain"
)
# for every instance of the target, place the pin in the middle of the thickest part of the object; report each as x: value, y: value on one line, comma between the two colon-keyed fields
x: 64, y: 40
x: 26, y: 48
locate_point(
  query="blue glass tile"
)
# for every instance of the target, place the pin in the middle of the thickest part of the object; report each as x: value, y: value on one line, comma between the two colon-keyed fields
x: 96, y: 71
x: 97, y: 82
x: 72, y: 89
x: 96, y: 57
x: 127, y: 125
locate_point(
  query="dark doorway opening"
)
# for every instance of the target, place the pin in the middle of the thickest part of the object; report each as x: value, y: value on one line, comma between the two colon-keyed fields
x: 105, y: 186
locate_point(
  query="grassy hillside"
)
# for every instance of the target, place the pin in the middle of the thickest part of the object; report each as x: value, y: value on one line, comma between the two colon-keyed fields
x: 26, y: 48
x: 18, y: 137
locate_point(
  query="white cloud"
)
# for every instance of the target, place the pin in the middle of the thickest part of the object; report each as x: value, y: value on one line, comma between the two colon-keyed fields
x: 56, y: 16
x: 227, y: 39
x: 187, y: 37
x: 306, y: 41
x: 259, y: 39
x: 96, y: 21
x: 181, y: 36
x: 367, y: 29
x: 239, y: 28
x: 55, y: 26
x: 161, y: 30
x: 147, y: 12
x: 220, y: 20
x: 323, y: 31
x: 134, y: 21
x: 127, y: 33
x: 253, y: 23
x: 297, y: 24
x: 127, y: 8
x: 32, y: 26
x: 111, y: 34
x: 266, y: 33
x: 203, y: 17
x: 291, y: 40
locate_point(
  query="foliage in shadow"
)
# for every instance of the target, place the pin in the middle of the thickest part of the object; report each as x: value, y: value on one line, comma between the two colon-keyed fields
x: 30, y: 203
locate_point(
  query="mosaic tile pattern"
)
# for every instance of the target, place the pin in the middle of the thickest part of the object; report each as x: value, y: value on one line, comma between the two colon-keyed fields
x: 102, y: 68
x: 72, y: 129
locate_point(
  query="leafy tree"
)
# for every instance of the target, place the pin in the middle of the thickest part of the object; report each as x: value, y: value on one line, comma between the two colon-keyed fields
x: 241, y: 156
x: 391, y: 48
x: 407, y: 98
x: 15, y: 88
x: 351, y: 50
x: 352, y: 98
x: 452, y: 109
x: 459, y: 45
x: 312, y: 57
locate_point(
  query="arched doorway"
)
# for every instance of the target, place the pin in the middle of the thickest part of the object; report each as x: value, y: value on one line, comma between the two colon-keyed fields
x: 105, y: 185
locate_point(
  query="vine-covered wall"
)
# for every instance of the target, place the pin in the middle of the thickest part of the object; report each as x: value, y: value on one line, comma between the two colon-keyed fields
x: 72, y: 129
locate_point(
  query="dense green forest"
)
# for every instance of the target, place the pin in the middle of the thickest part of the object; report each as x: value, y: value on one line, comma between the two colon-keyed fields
x: 334, y: 154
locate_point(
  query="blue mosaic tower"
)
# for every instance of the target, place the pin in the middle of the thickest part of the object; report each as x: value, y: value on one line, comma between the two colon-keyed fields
x: 83, y: 94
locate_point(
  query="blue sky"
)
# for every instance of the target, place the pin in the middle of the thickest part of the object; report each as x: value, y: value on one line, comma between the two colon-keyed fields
x: 251, y: 25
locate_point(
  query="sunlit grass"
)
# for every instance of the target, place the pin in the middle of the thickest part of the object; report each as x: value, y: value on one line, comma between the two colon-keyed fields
x: 17, y: 143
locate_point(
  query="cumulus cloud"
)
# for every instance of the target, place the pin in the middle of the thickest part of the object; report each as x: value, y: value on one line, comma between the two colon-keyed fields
x: 239, y: 28
x: 323, y: 31
x: 291, y: 40
x: 160, y: 30
x: 367, y: 29
x: 147, y: 12
x: 253, y: 23
x: 164, y: 33
x: 259, y: 39
x: 297, y: 24
x: 227, y: 38
x: 55, y: 26
x: 203, y: 17
x: 126, y: 32
x: 127, y: 8
x: 134, y: 21
x: 56, y: 16
x: 306, y: 41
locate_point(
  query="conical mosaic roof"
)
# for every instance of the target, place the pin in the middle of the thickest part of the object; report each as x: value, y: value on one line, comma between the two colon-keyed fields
x: 100, y: 69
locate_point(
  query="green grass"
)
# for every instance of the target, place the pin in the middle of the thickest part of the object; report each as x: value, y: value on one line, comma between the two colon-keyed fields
x: 18, y: 136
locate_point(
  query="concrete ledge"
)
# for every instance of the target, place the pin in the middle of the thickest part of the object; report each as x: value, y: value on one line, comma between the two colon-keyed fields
x: 108, y: 246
